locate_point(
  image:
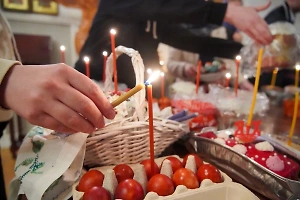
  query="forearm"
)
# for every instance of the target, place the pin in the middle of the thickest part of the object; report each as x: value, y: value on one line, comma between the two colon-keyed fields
x: 175, y: 11
x: 177, y: 68
x: 5, y: 66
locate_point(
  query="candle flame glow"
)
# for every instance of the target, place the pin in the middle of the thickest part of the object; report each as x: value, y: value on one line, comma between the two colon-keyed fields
x: 238, y: 57
x: 161, y: 63
x: 113, y: 31
x: 149, y: 71
x: 153, y: 77
x: 86, y: 59
x: 104, y: 53
x: 298, y: 67
x: 162, y: 74
x: 62, y: 48
x: 228, y: 75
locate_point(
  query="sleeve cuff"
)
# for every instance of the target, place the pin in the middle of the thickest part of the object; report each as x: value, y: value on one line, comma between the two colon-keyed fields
x: 5, y: 114
x: 217, y: 13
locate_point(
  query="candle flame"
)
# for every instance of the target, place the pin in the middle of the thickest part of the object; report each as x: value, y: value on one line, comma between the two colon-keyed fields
x: 162, y: 74
x: 86, y: 59
x: 113, y: 31
x: 298, y: 67
x: 153, y: 77
x: 161, y: 63
x: 228, y: 75
x: 62, y: 48
x: 149, y: 71
x: 238, y: 57
x: 104, y: 53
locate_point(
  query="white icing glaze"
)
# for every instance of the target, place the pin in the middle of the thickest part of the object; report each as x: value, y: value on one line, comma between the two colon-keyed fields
x: 275, y: 163
x: 219, y: 140
x: 240, y: 148
x: 264, y: 146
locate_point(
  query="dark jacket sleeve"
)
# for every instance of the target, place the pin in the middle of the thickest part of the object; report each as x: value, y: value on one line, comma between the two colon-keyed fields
x: 171, y: 11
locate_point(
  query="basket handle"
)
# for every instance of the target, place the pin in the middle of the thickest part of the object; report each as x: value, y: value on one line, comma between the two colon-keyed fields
x: 139, y: 70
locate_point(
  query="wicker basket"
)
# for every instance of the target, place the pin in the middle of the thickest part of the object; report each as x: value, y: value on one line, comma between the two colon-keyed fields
x: 127, y: 140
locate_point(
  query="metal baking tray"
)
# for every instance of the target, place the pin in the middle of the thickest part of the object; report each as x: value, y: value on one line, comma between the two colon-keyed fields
x: 248, y: 172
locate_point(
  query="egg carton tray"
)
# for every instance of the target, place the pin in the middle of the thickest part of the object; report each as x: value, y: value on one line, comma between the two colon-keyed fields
x: 245, y: 170
x: 227, y: 190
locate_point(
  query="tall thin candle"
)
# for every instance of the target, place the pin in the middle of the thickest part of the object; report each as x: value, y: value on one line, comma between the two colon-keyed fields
x: 228, y: 76
x: 62, y: 50
x: 259, y: 63
x: 198, y: 75
x: 87, y: 66
x: 236, y: 85
x: 104, y: 65
x: 151, y: 128
x: 113, y: 46
x: 292, y: 129
x: 162, y: 84
x: 274, y: 75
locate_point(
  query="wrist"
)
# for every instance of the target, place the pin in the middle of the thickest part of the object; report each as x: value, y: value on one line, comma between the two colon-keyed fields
x: 4, y: 87
x: 229, y: 13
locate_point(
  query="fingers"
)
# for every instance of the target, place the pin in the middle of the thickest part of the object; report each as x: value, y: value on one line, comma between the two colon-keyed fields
x: 49, y: 122
x: 260, y: 32
x: 83, y: 84
x: 68, y: 117
x: 81, y: 104
x: 263, y: 7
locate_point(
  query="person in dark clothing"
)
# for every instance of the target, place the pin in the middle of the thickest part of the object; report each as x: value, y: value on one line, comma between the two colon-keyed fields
x: 131, y: 18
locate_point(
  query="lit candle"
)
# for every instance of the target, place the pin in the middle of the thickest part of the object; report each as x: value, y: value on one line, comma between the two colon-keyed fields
x: 236, y: 85
x: 104, y: 65
x: 198, y: 75
x: 259, y: 63
x: 113, y: 46
x: 87, y: 66
x: 292, y: 129
x: 274, y: 74
x: 62, y: 50
x: 228, y: 76
x: 149, y: 71
x: 162, y: 84
x: 150, y: 112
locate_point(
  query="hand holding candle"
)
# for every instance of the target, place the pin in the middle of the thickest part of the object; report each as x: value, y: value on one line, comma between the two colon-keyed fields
x: 113, y: 32
x: 236, y: 85
x: 292, y: 129
x: 104, y: 65
x: 87, y: 66
x: 62, y: 50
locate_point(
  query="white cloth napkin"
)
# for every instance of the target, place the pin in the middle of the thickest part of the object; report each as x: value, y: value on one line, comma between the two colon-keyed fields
x: 48, y: 165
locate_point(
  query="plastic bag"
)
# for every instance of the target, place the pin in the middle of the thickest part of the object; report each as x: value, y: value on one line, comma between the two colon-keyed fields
x: 283, y: 52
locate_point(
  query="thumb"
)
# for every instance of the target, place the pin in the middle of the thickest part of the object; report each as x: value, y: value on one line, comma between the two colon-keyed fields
x: 263, y: 7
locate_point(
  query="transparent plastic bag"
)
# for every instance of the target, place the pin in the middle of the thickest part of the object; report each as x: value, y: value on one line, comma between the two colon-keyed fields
x: 283, y: 52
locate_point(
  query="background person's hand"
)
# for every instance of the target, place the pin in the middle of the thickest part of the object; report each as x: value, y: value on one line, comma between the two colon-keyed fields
x: 246, y: 85
x: 56, y: 97
x: 247, y: 20
x: 190, y: 71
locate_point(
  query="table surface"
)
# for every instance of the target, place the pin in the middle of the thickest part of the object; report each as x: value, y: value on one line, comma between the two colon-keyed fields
x: 275, y: 122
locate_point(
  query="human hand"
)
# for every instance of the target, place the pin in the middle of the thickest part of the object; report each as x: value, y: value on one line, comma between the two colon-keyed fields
x: 246, y: 85
x: 190, y: 70
x: 56, y: 97
x: 246, y: 19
